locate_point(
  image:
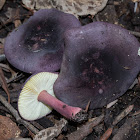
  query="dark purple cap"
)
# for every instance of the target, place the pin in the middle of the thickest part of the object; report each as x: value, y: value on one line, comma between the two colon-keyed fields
x: 100, y: 63
x: 37, y: 45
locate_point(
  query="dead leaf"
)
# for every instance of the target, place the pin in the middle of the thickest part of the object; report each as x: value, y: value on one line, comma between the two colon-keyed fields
x: 136, y: 0
x: 51, y: 132
x: 1, y: 3
x: 6, y: 129
x: 17, y: 22
x: 75, y: 7
x: 29, y: 3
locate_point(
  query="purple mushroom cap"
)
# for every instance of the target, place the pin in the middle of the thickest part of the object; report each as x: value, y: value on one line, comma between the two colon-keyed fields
x: 100, y: 62
x: 37, y: 45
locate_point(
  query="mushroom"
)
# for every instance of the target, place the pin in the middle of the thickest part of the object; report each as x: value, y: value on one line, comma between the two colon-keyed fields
x: 100, y: 62
x: 37, y: 99
x: 28, y: 105
x: 37, y: 45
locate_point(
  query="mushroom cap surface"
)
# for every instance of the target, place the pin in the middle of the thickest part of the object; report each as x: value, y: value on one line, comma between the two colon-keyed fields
x: 28, y: 105
x: 37, y: 45
x: 100, y: 62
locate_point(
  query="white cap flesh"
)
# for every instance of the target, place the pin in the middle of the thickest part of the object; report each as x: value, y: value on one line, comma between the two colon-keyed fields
x: 28, y: 105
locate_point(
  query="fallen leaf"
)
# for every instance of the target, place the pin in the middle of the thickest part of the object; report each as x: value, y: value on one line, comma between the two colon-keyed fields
x: 75, y: 7
x: 6, y: 129
x: 51, y: 132
x: 1, y: 3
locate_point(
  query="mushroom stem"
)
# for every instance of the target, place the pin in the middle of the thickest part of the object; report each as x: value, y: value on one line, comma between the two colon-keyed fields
x: 73, y: 113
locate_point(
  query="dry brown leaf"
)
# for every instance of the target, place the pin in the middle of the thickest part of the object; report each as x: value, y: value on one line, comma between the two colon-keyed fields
x: 17, y: 23
x: 51, y: 132
x: 29, y: 3
x: 1, y: 3
x: 75, y: 7
x: 6, y: 129
x: 136, y: 0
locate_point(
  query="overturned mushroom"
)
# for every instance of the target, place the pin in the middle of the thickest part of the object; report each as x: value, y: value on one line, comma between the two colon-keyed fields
x: 100, y: 63
x: 37, y: 45
x: 28, y: 105
x: 37, y: 99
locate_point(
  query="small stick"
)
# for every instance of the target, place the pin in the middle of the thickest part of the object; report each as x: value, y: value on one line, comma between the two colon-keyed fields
x: 111, y: 104
x: 17, y: 117
x: 14, y: 74
x: 123, y: 114
x: 32, y: 11
x: 37, y: 125
x: 7, y: 67
x: 87, y: 106
x: 113, y: 3
x: 85, y: 129
x: 131, y: 126
x: 136, y: 113
x: 137, y: 34
x: 4, y: 84
x: 107, y: 134
x: 4, y: 109
x: 15, y: 78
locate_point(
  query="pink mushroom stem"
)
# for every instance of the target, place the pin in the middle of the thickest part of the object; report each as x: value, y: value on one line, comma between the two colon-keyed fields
x: 67, y: 111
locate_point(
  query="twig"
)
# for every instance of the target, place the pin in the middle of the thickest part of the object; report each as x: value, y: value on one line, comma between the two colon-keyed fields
x: 18, y: 77
x: 107, y: 134
x: 85, y: 129
x: 113, y: 3
x: 22, y: 139
x: 111, y: 104
x: 4, y: 84
x: 87, y: 106
x: 4, y: 109
x: 32, y: 11
x: 37, y: 125
x: 5, y: 67
x: 137, y: 34
x: 12, y: 19
x: 17, y: 22
x: 17, y: 117
x: 129, y: 126
x: 136, y: 113
x: 123, y: 114
x: 8, y: 69
x: 4, y: 25
x: 13, y: 94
